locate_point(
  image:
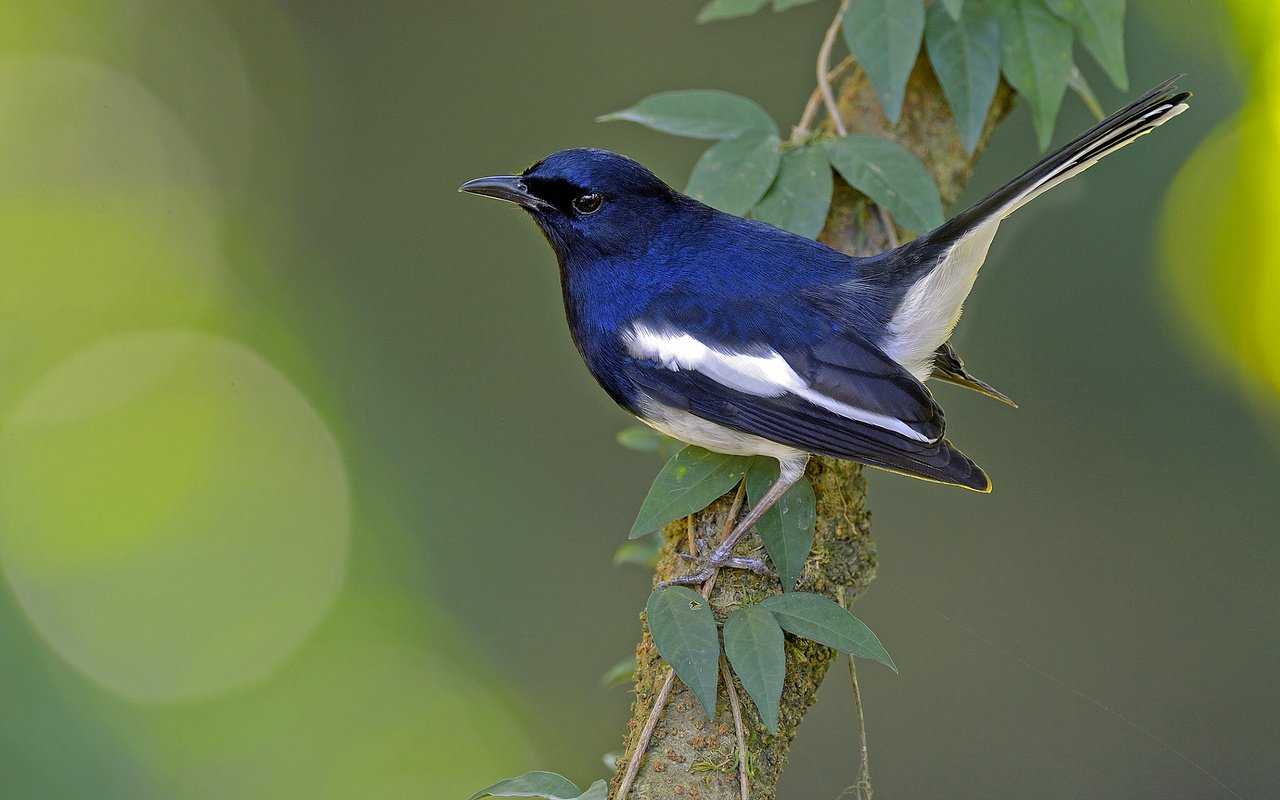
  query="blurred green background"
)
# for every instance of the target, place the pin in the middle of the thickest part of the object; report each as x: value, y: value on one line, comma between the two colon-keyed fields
x: 305, y: 493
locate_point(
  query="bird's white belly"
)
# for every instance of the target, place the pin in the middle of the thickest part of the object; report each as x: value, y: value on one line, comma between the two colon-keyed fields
x: 713, y: 436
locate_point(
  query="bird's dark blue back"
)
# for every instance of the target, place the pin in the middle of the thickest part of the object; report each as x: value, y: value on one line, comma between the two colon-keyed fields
x: 653, y: 254
x: 727, y: 332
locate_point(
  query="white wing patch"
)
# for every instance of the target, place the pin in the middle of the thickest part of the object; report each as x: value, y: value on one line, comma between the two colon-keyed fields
x: 765, y: 375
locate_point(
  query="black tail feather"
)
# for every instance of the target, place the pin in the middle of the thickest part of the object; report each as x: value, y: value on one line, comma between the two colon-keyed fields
x: 949, y: 367
x: 1142, y: 115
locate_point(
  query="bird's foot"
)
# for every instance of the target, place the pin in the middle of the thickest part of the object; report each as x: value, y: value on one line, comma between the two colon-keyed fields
x: 708, y: 566
x: 735, y: 529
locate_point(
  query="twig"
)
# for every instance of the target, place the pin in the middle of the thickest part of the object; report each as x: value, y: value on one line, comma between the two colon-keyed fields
x: 805, y: 124
x: 642, y: 744
x: 824, y: 61
x: 736, y: 708
x: 890, y: 229
x: 728, y: 525
x: 664, y: 694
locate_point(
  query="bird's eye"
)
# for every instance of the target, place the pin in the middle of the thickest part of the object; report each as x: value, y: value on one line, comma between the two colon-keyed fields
x: 587, y: 203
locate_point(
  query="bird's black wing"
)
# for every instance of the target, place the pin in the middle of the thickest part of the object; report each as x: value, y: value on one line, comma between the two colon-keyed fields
x: 837, y: 395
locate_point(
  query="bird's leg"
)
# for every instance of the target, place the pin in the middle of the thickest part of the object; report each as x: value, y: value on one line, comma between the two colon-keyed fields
x: 790, y: 470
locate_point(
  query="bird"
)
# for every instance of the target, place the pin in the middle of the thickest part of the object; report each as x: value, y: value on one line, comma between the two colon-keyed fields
x: 745, y: 339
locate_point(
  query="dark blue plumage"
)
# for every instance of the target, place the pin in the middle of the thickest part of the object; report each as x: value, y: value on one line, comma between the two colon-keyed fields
x: 742, y: 338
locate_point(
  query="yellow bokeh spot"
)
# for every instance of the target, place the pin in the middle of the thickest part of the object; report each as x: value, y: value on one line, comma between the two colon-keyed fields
x: 75, y: 270
x: 1221, y: 240
x: 175, y: 515
x: 35, y: 24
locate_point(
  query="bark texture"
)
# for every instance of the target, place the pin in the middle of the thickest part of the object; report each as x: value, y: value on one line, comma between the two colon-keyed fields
x: 693, y: 757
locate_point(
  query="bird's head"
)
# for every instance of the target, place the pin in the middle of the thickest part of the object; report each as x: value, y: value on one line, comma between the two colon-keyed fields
x: 588, y: 203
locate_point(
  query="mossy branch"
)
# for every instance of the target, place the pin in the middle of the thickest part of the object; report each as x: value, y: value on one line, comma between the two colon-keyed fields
x: 690, y: 756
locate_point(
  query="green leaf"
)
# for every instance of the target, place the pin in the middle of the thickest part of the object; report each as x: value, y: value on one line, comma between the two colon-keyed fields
x: 533, y: 784
x: 954, y: 7
x: 728, y: 9
x: 884, y: 35
x: 689, y: 482
x: 698, y: 114
x: 619, y: 673
x: 965, y: 54
x: 684, y: 631
x: 800, y: 197
x: 757, y: 650
x: 734, y: 174
x: 641, y: 439
x: 1035, y: 50
x: 1101, y: 27
x: 644, y: 550
x: 783, y: 5
x: 891, y: 177
x: 596, y: 791
x: 816, y: 618
x: 787, y: 528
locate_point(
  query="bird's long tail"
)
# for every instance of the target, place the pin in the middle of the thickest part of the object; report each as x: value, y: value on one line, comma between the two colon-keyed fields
x: 1144, y: 115
x: 935, y: 272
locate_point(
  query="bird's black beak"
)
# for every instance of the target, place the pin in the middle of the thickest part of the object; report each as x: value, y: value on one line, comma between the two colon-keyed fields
x: 505, y: 187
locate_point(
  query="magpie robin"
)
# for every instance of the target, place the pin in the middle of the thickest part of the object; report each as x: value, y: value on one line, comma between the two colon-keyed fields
x: 745, y: 339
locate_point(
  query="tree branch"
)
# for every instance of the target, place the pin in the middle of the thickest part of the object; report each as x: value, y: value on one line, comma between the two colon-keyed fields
x: 693, y: 757
x: 824, y: 67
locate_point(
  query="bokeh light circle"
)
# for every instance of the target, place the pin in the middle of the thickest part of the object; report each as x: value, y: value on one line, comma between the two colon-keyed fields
x: 174, y: 515
x: 81, y: 127
x: 109, y: 221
